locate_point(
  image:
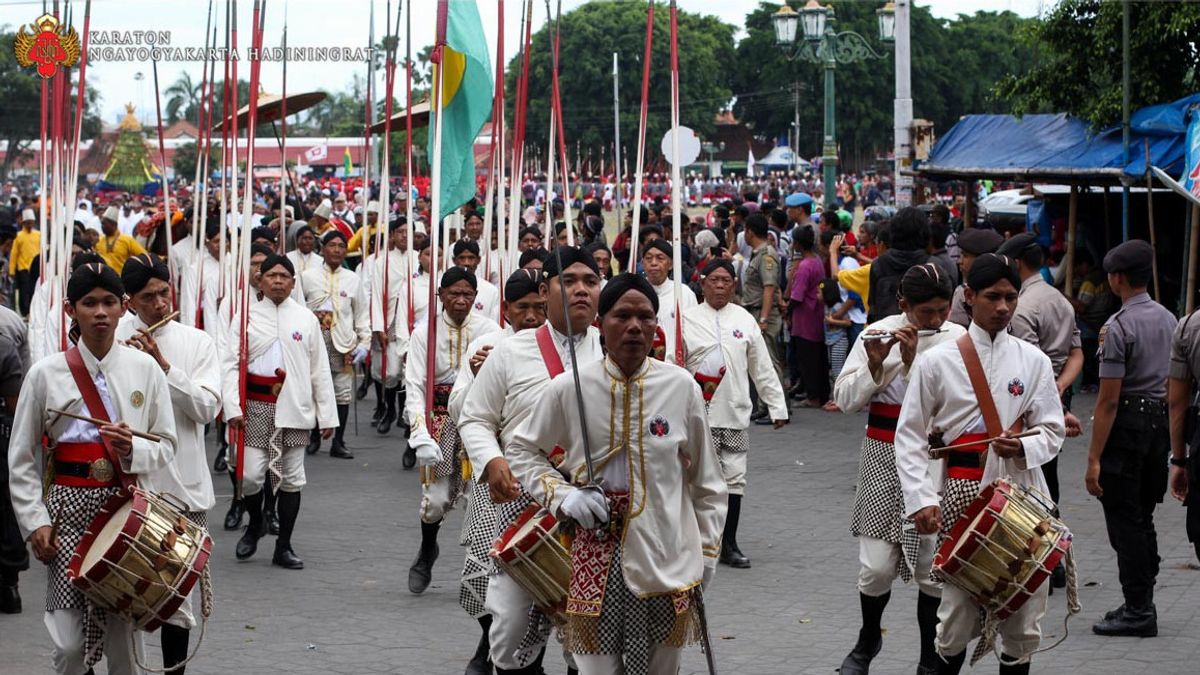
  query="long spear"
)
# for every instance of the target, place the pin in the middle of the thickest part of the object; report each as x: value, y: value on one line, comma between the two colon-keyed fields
x: 435, y: 118
x: 408, y: 169
x: 199, y: 188
x: 369, y: 109
x: 635, y: 200
x: 557, y: 118
x: 162, y: 174
x: 386, y: 178
x: 676, y: 177
x: 518, y: 149
x: 490, y: 212
x: 281, y: 244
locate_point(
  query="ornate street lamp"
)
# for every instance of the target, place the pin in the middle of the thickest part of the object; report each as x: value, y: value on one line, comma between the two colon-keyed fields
x: 887, y: 22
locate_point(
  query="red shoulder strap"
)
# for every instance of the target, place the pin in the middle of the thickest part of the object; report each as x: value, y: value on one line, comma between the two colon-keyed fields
x: 983, y: 392
x: 95, y: 406
x: 550, y: 355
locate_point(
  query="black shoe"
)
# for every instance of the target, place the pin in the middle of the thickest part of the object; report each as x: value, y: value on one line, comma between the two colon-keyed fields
x: 378, y: 414
x: 314, y: 443
x: 858, y: 662
x: 764, y: 420
x: 385, y: 422
x: 247, y: 546
x: 272, y: 520
x: 758, y: 415
x: 285, y: 557
x: 421, y: 572
x: 10, y: 599
x: 340, y: 451
x: 220, y: 465
x: 409, y: 460
x: 1114, y: 613
x: 734, y: 558
x: 480, y: 666
x: 233, y: 519
x: 361, y: 392
x: 1058, y: 578
x: 1133, y: 622
x: 1007, y: 667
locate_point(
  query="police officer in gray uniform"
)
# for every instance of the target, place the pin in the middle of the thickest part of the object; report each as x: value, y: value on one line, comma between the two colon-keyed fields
x: 972, y: 243
x: 14, y: 362
x: 1127, y: 458
x: 1184, y: 373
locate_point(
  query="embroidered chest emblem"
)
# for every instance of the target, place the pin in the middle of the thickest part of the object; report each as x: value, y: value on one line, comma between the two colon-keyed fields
x: 297, y: 336
x: 343, y: 294
x: 1016, y: 387
x: 659, y: 426
x: 137, y: 398
x: 479, y: 306
x: 737, y: 334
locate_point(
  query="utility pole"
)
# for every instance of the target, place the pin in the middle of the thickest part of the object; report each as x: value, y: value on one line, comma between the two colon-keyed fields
x: 616, y: 137
x: 1125, y: 115
x: 795, y: 123
x: 903, y: 149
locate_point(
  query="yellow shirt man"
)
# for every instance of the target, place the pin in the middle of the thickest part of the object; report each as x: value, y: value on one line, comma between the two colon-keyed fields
x: 26, y: 246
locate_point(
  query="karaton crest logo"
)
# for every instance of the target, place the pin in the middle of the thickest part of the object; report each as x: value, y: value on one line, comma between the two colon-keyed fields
x: 47, y: 44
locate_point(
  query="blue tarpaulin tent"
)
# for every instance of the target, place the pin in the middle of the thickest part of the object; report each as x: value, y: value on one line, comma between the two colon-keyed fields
x: 1059, y: 146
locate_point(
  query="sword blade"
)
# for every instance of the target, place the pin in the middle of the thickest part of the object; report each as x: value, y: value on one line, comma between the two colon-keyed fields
x: 705, y: 638
x: 587, y: 444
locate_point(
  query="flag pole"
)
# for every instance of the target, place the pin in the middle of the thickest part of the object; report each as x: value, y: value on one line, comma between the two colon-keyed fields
x: 676, y: 177
x: 435, y: 226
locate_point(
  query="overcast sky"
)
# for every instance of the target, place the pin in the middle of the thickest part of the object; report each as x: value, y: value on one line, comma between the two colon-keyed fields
x: 336, y: 23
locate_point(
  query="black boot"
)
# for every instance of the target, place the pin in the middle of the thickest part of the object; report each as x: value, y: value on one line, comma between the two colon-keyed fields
x: 870, y: 636
x: 248, y: 544
x: 951, y: 665
x: 314, y: 442
x: 338, y: 448
x: 389, y: 415
x: 1007, y: 667
x: 401, y: 397
x: 421, y: 572
x: 481, y: 663
x: 730, y: 554
x: 927, y: 621
x: 289, y: 509
x: 220, y: 464
x: 380, y: 404
x: 10, y: 596
x: 270, y: 518
x: 174, y: 648
x: 1133, y: 621
x: 362, y: 386
x: 237, y: 508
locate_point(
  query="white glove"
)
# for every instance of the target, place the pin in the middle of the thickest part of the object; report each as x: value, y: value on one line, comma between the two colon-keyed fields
x: 585, y: 506
x: 427, y: 449
x: 359, y: 354
x: 710, y: 570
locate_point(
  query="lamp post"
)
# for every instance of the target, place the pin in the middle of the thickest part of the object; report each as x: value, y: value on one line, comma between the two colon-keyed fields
x: 825, y: 46
x: 711, y: 149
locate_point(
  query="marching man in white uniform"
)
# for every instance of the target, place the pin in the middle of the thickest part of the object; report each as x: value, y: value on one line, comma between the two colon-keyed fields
x: 657, y: 262
x: 876, y: 374
x: 393, y: 336
x: 725, y: 351
x: 339, y: 299
x: 942, y: 402
x: 631, y: 605
x: 304, y: 257
x: 188, y: 356
x: 487, y: 299
x: 288, y: 392
x: 90, y: 462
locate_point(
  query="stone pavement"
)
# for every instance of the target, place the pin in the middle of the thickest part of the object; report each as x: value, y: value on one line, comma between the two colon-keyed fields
x: 796, y: 611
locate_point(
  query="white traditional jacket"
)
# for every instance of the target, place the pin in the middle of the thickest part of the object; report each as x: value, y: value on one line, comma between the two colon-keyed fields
x: 397, y: 289
x: 466, y: 378
x: 487, y: 299
x: 209, y: 297
x: 940, y: 399
x: 452, y: 343
x: 856, y: 386
x: 341, y: 292
x: 194, y: 384
x: 284, y: 336
x: 302, y: 263
x: 133, y: 389
x: 730, y: 338
x: 649, y: 437
x: 508, y: 387
x: 666, y: 311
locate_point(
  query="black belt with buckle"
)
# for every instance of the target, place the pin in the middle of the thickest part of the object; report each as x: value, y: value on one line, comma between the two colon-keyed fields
x: 100, y: 470
x: 965, y: 458
x: 1143, y: 404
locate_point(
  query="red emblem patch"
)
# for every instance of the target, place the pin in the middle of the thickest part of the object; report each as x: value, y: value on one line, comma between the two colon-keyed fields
x: 1016, y: 387
x: 659, y: 426
x: 737, y: 334
x: 297, y: 336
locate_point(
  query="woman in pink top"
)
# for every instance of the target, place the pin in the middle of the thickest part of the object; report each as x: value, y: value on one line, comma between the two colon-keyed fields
x: 808, y: 318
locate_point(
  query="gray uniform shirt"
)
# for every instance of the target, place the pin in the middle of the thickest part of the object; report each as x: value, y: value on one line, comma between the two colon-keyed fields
x: 958, y: 307
x: 1134, y: 347
x: 1185, y: 350
x: 14, y: 352
x: 1045, y: 319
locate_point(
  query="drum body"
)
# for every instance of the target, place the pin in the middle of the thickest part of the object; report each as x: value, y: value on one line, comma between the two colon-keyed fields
x: 531, y: 552
x: 1004, y: 547
x: 140, y: 558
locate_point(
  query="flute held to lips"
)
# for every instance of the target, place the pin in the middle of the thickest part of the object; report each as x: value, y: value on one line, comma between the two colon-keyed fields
x: 890, y: 334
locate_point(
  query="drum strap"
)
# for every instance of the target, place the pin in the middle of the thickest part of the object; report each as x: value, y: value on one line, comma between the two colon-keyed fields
x: 549, y: 352
x: 983, y: 393
x: 95, y: 406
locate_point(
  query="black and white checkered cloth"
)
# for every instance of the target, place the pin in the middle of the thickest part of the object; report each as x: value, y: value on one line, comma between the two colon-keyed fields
x: 730, y: 440
x: 260, y: 433
x: 478, y: 525
x: 879, y: 504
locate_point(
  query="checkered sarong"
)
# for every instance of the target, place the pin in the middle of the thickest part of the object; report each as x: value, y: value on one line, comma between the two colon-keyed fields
x: 261, y: 433
x: 957, y: 495
x: 478, y: 525
x: 879, y: 504
x: 730, y: 440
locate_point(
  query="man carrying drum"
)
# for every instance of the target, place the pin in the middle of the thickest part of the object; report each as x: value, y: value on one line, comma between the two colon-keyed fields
x: 986, y: 384
x: 506, y: 392
x: 90, y: 461
x: 876, y: 372
x: 188, y: 356
x: 631, y: 606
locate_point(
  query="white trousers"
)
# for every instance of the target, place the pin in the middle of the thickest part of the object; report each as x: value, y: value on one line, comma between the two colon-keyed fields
x: 66, y: 632
x: 343, y: 385
x: 733, y: 468
x: 663, y: 661
x: 395, y: 363
x: 509, y: 606
x: 1020, y: 633
x: 435, y: 500
x: 185, y: 616
x: 255, y: 471
x: 878, y: 560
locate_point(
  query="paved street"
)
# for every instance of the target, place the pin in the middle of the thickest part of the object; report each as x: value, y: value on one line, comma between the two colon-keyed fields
x: 796, y: 611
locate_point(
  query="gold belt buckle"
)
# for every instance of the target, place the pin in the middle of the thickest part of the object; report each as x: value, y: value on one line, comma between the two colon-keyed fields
x: 101, y: 470
x: 276, y: 388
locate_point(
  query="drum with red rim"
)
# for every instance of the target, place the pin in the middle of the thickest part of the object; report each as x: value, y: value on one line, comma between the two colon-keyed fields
x: 532, y: 553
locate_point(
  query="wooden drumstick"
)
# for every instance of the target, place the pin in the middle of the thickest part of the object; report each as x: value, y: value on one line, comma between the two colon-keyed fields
x: 939, y: 453
x: 98, y: 422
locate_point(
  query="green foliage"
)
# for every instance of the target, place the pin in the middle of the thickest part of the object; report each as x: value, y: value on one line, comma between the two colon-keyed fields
x: 589, y: 36
x: 1078, y: 61
x: 185, y: 157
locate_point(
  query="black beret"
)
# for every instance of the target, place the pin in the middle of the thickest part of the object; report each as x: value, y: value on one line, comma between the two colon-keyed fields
x: 1016, y: 246
x: 334, y: 234
x: 463, y: 245
x: 718, y: 264
x: 532, y: 254
x: 90, y: 276
x: 660, y: 244
x: 990, y: 268
x: 263, y: 233
x: 1133, y: 256
x: 84, y: 258
x: 454, y: 275
x: 531, y: 229
x: 621, y: 284
x: 397, y: 223
x: 569, y: 255
x: 520, y: 284
x: 977, y: 241
x: 140, y: 269
x: 260, y: 249
x: 275, y: 259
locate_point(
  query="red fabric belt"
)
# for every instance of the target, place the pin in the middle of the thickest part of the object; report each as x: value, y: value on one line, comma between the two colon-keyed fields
x: 967, y: 463
x: 93, y: 455
x: 263, y: 388
x: 709, y: 383
x: 881, y: 422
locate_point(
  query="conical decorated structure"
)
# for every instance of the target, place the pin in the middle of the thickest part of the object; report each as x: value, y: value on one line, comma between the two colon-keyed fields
x: 130, y: 168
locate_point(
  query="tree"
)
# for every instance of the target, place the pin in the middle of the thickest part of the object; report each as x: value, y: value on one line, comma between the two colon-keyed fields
x: 589, y: 36
x: 1077, y: 66
x: 186, y: 155
x: 183, y: 99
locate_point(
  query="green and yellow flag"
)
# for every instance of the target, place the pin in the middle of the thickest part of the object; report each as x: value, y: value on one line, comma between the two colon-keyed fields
x: 347, y: 165
x: 466, y: 102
